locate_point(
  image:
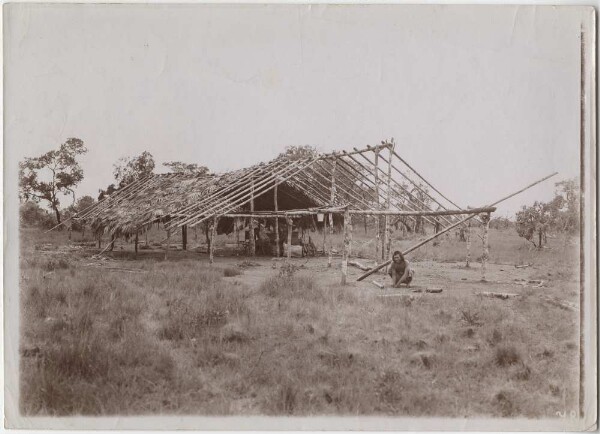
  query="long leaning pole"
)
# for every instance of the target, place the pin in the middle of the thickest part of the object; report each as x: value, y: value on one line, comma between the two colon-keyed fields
x: 416, y: 246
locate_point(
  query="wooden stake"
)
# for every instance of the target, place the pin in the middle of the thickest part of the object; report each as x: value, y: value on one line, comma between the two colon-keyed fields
x: 289, y: 238
x: 330, y: 258
x: 252, y: 240
x: 184, y: 237
x: 99, y: 240
x: 486, y: 251
x: 168, y: 243
x: 276, y: 223
x: 468, y: 245
x: 136, y: 243
x: 211, y: 250
x: 347, y: 241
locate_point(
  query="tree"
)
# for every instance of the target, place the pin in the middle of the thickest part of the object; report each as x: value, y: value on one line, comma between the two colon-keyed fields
x: 532, y: 220
x: 52, y: 174
x: 31, y: 214
x: 84, y: 203
x: 109, y: 190
x: 185, y: 168
x: 129, y: 169
x: 81, y: 205
x: 298, y: 152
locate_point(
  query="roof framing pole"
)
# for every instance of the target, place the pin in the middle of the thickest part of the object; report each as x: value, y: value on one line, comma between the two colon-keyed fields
x: 238, y: 198
x: 443, y: 231
x: 407, y: 205
x: 294, y: 168
x: 401, y: 187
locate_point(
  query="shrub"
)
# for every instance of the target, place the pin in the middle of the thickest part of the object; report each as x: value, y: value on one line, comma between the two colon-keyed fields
x: 304, y: 287
x: 230, y: 272
x: 31, y: 214
x: 506, y: 356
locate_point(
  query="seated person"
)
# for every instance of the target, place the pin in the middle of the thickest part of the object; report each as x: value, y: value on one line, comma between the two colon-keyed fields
x: 399, y: 270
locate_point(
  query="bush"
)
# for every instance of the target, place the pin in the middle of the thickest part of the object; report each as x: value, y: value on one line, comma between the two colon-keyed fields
x: 31, y: 214
x: 231, y: 272
x: 506, y: 355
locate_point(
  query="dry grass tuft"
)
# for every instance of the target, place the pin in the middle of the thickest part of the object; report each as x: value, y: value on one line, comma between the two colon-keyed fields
x: 231, y: 272
x: 506, y: 355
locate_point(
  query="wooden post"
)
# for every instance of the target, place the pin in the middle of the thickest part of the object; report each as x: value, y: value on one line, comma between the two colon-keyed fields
x: 330, y: 258
x: 99, y: 240
x: 276, y: 222
x: 168, y: 243
x: 347, y: 241
x: 252, y: 240
x: 136, y: 243
x: 213, y: 232
x: 468, y: 245
x: 324, y: 233
x: 184, y: 237
x: 486, y: 252
x: 377, y: 222
x: 387, y: 241
x: 289, y: 238
x: 112, y: 242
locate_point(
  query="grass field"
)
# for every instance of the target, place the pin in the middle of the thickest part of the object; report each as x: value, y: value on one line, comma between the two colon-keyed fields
x: 177, y: 336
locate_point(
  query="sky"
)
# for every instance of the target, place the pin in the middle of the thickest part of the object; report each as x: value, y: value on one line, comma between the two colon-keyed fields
x: 481, y: 100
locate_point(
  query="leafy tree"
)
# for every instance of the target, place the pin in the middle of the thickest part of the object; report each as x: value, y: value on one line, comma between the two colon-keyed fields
x: 564, y: 207
x: 299, y: 152
x: 109, y: 190
x: 83, y: 203
x: 31, y: 214
x: 500, y: 223
x: 52, y: 174
x: 129, y: 169
x: 188, y: 169
x: 532, y: 220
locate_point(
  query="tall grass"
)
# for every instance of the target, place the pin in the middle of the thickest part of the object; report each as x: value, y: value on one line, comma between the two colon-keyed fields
x: 181, y: 337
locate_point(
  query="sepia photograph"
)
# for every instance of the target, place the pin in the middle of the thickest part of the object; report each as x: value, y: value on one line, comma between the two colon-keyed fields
x: 294, y: 216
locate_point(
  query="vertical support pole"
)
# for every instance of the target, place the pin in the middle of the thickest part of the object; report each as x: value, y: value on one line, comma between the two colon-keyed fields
x: 136, y: 243
x: 330, y: 216
x: 184, y: 237
x: 112, y: 242
x: 387, y: 241
x: 289, y: 238
x: 168, y: 243
x: 324, y: 233
x: 377, y: 218
x: 276, y: 222
x: 99, y: 240
x: 213, y: 232
x: 252, y: 240
x: 468, y: 245
x: 486, y: 251
x: 347, y: 241
x: 330, y: 258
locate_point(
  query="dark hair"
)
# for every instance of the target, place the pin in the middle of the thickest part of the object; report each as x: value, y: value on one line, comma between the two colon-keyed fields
x: 399, y: 253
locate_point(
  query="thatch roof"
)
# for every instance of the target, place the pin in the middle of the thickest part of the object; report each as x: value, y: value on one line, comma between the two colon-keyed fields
x: 362, y: 179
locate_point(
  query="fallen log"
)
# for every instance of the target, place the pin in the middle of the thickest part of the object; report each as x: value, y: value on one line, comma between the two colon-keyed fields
x: 434, y: 290
x: 523, y: 266
x: 378, y: 284
x: 500, y: 295
x: 358, y: 265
